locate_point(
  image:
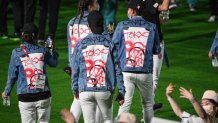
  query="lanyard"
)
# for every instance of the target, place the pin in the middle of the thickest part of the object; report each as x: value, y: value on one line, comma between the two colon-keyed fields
x: 28, y: 57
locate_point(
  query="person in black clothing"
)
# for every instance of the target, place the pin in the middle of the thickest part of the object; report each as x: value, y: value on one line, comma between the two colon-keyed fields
x: 152, y: 14
x: 213, y: 9
x: 50, y: 8
x: 3, y: 19
x: 24, y: 12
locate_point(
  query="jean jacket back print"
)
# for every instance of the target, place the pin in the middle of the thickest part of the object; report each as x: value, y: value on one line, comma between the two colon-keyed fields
x: 77, y: 29
x: 136, y: 40
x: 95, y: 65
x: 28, y: 67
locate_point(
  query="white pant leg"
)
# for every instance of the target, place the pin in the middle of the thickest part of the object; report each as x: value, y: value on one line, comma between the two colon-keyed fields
x: 43, y: 108
x: 76, y: 109
x: 144, y: 83
x: 88, y: 104
x: 104, y: 103
x: 128, y: 79
x: 99, y: 117
x: 157, y: 64
x: 27, y: 112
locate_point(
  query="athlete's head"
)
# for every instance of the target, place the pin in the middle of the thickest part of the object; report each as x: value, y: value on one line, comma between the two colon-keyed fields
x: 209, y: 102
x: 29, y: 33
x: 136, y: 7
x: 96, y: 22
x: 88, y: 5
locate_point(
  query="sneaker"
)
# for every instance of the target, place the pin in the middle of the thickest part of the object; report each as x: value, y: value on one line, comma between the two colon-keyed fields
x: 173, y: 5
x: 212, y: 18
x: 214, y: 62
x: 157, y: 106
x: 15, y: 37
x: 191, y: 8
x: 3, y: 36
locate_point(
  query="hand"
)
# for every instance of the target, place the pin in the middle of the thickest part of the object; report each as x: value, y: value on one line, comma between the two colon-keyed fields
x: 76, y: 96
x: 160, y: 56
x: 4, y: 96
x: 67, y: 116
x: 121, y: 102
x: 170, y: 89
x: 210, y: 55
x: 120, y: 99
x: 186, y: 94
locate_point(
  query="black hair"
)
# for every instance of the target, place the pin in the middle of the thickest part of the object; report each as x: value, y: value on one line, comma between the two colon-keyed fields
x: 138, y: 5
x: 96, y: 22
x: 82, y: 6
x: 29, y: 33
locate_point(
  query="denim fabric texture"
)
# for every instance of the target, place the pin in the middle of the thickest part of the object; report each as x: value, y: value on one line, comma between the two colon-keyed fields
x: 214, y: 46
x: 152, y: 46
x: 17, y: 73
x: 112, y: 72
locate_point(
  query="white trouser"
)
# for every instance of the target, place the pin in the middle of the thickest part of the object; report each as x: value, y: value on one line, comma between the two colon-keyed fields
x: 144, y: 83
x: 77, y: 110
x: 157, y: 64
x: 28, y: 111
x: 91, y: 100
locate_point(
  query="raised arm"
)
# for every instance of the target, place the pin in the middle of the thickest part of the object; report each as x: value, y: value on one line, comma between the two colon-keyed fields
x: 173, y: 104
x: 188, y: 95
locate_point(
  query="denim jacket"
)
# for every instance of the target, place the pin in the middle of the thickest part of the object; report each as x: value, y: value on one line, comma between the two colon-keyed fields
x: 136, y: 40
x: 214, y: 46
x: 23, y: 69
x: 76, y: 32
x: 95, y: 66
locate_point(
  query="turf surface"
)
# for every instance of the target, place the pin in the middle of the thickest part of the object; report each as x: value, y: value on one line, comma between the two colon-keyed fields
x: 188, y: 37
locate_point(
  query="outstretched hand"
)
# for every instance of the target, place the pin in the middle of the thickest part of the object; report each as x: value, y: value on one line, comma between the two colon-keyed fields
x: 186, y: 93
x: 169, y: 90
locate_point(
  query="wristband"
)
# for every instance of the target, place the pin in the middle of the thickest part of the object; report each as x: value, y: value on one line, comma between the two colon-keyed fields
x: 192, y: 100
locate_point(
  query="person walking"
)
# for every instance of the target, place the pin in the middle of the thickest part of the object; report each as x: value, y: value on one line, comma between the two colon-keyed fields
x: 95, y: 72
x: 28, y: 68
x: 136, y: 41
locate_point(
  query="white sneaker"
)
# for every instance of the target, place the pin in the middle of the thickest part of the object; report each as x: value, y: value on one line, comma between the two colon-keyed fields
x: 173, y: 5
x: 214, y: 62
x: 212, y: 18
x: 191, y: 8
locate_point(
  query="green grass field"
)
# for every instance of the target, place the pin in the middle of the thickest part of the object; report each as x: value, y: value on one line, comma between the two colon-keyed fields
x: 188, y: 37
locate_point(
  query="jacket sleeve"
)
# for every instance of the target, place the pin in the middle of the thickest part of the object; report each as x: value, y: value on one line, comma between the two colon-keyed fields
x: 75, y: 70
x: 214, y: 46
x: 118, y: 71
x: 156, y: 46
x: 69, y: 39
x: 117, y: 37
x: 51, y: 58
x: 12, y: 75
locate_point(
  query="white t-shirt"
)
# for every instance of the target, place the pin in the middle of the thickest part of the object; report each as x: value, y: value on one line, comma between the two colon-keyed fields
x: 188, y: 118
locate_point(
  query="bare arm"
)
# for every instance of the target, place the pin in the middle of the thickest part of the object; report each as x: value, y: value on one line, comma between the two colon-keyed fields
x: 177, y: 110
x: 188, y: 95
x: 164, y: 6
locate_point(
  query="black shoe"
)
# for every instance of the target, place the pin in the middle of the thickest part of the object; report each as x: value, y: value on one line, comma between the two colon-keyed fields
x: 157, y: 106
x: 67, y: 70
